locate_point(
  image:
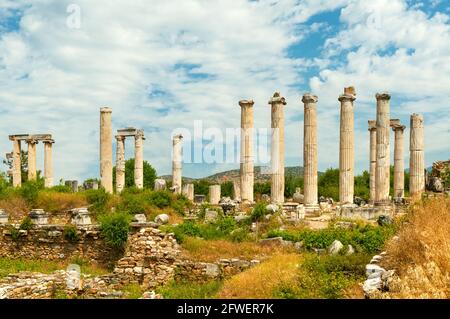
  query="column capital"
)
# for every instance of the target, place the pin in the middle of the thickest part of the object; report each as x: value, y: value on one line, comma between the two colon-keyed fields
x: 383, y: 96
x: 416, y: 120
x: 139, y: 134
x: 177, y: 137
x: 120, y: 137
x: 106, y: 109
x: 243, y: 103
x: 32, y: 141
x: 277, y: 99
x: 372, y: 125
x: 48, y: 141
x: 309, y: 98
x: 346, y: 97
x: 398, y: 128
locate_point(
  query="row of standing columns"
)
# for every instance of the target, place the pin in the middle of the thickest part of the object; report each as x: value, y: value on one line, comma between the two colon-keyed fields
x: 32, y: 141
x: 106, y: 166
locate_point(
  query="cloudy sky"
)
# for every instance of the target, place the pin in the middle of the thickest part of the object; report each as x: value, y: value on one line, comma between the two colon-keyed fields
x: 161, y: 65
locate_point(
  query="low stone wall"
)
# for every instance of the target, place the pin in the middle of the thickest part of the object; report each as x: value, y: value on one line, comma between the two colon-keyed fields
x: 187, y: 270
x: 47, y: 242
x: 149, y: 258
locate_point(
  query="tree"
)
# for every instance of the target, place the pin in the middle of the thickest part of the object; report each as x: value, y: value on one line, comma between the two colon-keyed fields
x: 201, y: 187
x: 23, y: 165
x: 149, y: 174
x: 226, y: 189
x: 329, y: 183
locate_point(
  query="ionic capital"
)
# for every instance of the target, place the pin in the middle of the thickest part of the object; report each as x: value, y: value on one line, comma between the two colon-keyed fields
x: 346, y: 98
x: 309, y: 98
x: 105, y: 110
x: 244, y: 103
x: 177, y: 137
x: 383, y: 96
x: 372, y: 125
x: 277, y: 99
x: 120, y: 138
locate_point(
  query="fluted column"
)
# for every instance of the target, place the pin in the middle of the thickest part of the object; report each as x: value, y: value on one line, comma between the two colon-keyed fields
x: 214, y: 194
x: 399, y: 162
x: 346, y: 147
x: 247, y: 173
x: 106, y: 166
x: 310, y: 151
x: 31, y: 159
x: 139, y: 159
x: 417, y: 158
x: 120, y: 163
x: 177, y: 159
x: 373, y: 158
x: 277, y: 152
x: 17, y: 165
x: 382, y: 175
x: 48, y: 162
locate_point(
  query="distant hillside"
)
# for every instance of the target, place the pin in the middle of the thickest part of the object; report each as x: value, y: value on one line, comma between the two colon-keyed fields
x: 261, y: 175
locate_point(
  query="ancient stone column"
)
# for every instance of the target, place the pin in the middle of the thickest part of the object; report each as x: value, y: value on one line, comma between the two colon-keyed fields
x: 383, y: 151
x: 17, y: 165
x: 214, y: 194
x: 106, y: 166
x: 346, y: 147
x: 310, y: 152
x: 48, y: 162
x: 177, y: 159
x: 247, y: 173
x: 120, y: 163
x: 417, y: 158
x: 188, y: 191
x: 31, y: 159
x: 237, y: 190
x: 399, y: 166
x: 277, y: 152
x: 139, y: 159
x: 373, y: 158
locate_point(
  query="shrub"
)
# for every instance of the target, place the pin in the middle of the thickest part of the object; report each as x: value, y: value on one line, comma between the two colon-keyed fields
x: 368, y: 238
x: 239, y: 235
x: 226, y: 189
x: 98, y: 198
x: 133, y: 203
x: 180, y: 204
x: 259, y: 211
x: 14, y: 232
x: 26, y: 223
x: 160, y: 199
x: 30, y: 192
x: 114, y: 229
x: 61, y: 189
x: 71, y: 234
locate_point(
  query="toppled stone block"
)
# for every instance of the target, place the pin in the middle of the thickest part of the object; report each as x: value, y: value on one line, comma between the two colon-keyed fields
x: 81, y: 216
x: 162, y: 219
x: 335, y: 247
x: 211, y: 216
x: 272, y: 208
x: 4, y: 217
x: 38, y: 217
x: 371, y: 269
x: 140, y: 218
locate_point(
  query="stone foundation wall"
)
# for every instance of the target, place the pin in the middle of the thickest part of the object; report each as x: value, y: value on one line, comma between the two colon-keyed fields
x: 149, y: 258
x: 47, y: 242
x: 187, y: 270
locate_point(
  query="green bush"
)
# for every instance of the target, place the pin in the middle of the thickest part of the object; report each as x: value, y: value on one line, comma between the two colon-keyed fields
x: 180, y: 204
x: 133, y: 203
x: 226, y: 189
x: 98, y: 198
x: 160, y: 199
x: 261, y: 188
x: 70, y: 234
x: 325, y: 277
x: 258, y: 212
x: 114, y: 229
x: 14, y: 232
x: 30, y: 192
x: 26, y: 223
x: 201, y: 187
x: 239, y: 235
x: 367, y: 238
x: 61, y: 189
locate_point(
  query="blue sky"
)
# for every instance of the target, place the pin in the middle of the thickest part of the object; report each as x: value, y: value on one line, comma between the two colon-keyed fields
x: 194, y: 60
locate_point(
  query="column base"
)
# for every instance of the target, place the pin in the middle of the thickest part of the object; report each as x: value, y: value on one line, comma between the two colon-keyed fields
x: 311, y: 208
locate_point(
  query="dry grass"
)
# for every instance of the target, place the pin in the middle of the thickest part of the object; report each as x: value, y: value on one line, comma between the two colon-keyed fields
x: 54, y: 202
x: 261, y: 281
x: 421, y: 254
x: 16, y: 206
x: 212, y: 250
